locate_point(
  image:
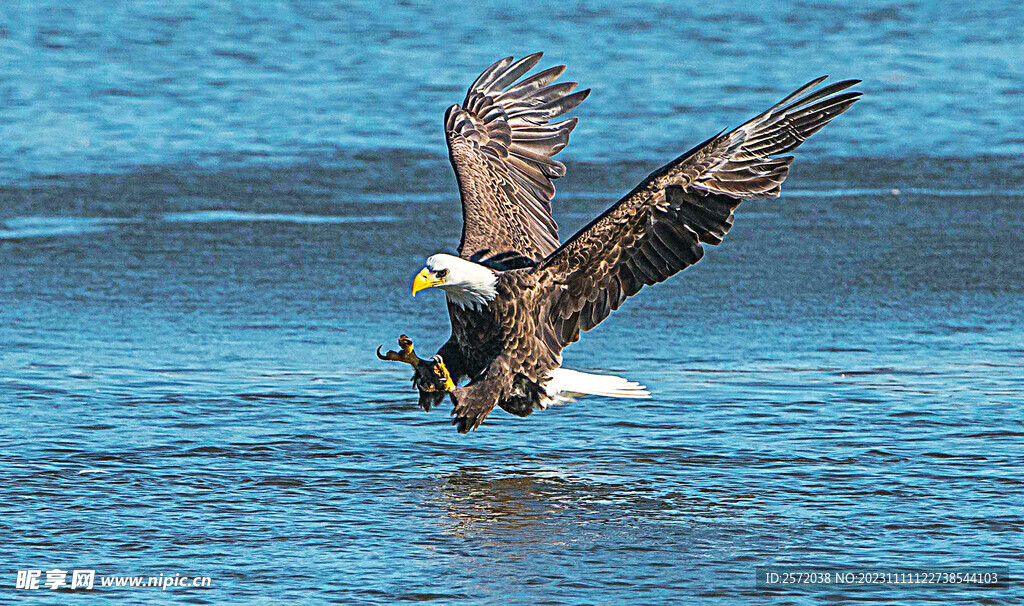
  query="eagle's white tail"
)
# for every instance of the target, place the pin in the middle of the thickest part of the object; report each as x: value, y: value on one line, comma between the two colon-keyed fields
x: 565, y: 384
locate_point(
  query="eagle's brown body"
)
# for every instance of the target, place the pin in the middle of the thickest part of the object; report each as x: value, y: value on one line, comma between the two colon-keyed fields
x: 501, y: 146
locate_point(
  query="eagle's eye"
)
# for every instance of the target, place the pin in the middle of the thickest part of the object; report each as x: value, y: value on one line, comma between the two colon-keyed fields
x: 441, y: 273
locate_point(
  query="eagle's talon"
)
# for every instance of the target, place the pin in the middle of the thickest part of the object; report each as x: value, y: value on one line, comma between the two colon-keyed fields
x: 431, y: 375
x: 407, y: 354
x: 442, y: 373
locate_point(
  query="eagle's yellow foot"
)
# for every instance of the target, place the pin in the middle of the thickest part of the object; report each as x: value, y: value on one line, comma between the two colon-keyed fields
x: 442, y: 373
x: 431, y: 375
x: 407, y: 354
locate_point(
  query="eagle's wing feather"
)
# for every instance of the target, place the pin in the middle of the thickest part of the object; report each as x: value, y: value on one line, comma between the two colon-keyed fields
x: 660, y: 227
x: 501, y: 146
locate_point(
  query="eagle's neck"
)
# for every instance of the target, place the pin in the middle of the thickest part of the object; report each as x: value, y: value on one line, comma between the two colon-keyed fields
x: 474, y: 288
x: 471, y: 299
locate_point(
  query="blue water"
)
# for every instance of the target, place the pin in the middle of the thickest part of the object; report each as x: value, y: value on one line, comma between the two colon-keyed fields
x: 209, y: 217
x: 94, y: 85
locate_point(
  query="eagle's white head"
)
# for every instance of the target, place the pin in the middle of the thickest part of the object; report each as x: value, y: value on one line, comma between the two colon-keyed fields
x: 467, y: 284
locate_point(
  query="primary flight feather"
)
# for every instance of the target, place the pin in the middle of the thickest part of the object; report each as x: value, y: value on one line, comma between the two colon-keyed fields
x: 516, y: 297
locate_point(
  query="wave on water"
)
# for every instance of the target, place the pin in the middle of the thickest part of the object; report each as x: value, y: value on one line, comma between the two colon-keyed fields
x: 895, y: 191
x: 19, y: 228
x: 40, y: 227
x: 215, y: 216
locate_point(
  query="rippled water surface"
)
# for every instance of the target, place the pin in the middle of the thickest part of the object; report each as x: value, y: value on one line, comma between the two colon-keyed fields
x: 210, y: 216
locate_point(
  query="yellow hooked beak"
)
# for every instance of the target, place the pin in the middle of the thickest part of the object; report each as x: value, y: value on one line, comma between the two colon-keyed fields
x: 424, y: 280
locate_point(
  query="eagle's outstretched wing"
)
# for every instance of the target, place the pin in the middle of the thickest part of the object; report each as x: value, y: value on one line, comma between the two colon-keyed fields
x: 661, y: 226
x: 501, y: 145
x: 655, y: 231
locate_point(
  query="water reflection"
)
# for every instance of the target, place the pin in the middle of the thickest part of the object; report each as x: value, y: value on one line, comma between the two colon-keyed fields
x: 475, y: 502
x: 523, y: 504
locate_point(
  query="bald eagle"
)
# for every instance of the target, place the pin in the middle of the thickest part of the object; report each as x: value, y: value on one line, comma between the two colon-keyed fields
x: 516, y: 296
